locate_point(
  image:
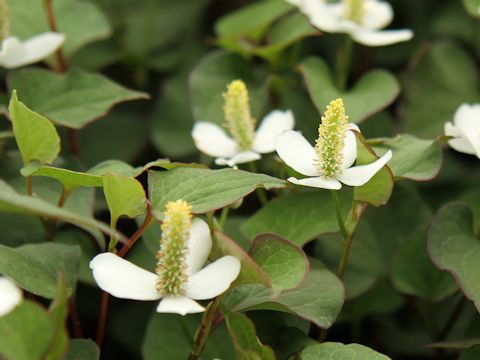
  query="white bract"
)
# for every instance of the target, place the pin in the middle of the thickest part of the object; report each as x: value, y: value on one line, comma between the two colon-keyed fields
x: 180, y: 278
x: 329, y: 163
x: 10, y: 295
x: 245, y: 143
x: 465, y: 129
x: 16, y: 53
x: 361, y: 19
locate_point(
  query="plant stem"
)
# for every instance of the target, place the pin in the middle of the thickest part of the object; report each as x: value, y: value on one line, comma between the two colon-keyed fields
x: 452, y: 319
x: 137, y: 234
x: 62, y: 67
x: 209, y: 320
x: 28, y: 181
x: 102, y: 318
x: 338, y: 212
x: 223, y: 216
x: 113, y: 242
x: 344, y: 59
x: 72, y: 309
x: 52, y: 24
x: 63, y: 197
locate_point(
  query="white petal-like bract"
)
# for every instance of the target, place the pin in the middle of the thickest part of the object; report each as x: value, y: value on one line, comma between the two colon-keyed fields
x: 10, y: 295
x: 360, y: 175
x: 318, y: 182
x: 179, y: 305
x: 297, y: 153
x: 240, y: 158
x: 214, y: 279
x: 272, y: 125
x: 123, y: 279
x: 16, y: 53
x: 199, y: 246
x: 212, y: 140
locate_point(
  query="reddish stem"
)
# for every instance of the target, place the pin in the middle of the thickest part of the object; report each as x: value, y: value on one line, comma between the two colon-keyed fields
x: 52, y: 24
x: 102, y: 321
x: 138, y: 233
x: 72, y: 309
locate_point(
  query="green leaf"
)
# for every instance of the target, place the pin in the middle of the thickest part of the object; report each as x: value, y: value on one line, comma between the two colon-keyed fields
x: 58, y: 313
x: 115, y: 167
x: 209, y: 80
x: 124, y: 195
x: 73, y: 99
x: 70, y: 179
x: 82, y: 349
x: 205, y: 190
x: 36, y: 137
x: 13, y: 202
x: 299, y: 217
x: 250, y: 22
x: 170, y: 336
x: 250, y: 272
x: 373, y: 92
x: 413, y: 158
x: 35, y: 267
x: 245, y: 339
x: 89, y: 249
x: 284, y: 33
x: 28, y: 18
x: 453, y: 247
x: 473, y: 7
x: 445, y: 77
x: 275, y: 255
x: 414, y: 274
x: 25, y: 333
x: 319, y: 299
x: 378, y: 190
x: 334, y: 351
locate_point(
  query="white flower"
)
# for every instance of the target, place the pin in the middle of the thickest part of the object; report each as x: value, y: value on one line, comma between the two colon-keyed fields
x: 361, y: 19
x: 16, y: 53
x: 245, y: 144
x: 10, y: 295
x: 330, y: 163
x: 180, y: 278
x: 465, y: 129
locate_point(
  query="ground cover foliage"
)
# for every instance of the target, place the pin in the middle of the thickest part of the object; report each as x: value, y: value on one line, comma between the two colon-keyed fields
x: 155, y: 125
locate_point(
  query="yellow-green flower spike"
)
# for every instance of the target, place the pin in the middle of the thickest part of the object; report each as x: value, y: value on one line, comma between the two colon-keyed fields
x: 331, y: 138
x: 353, y: 10
x: 238, y: 118
x: 171, y: 266
x: 4, y: 20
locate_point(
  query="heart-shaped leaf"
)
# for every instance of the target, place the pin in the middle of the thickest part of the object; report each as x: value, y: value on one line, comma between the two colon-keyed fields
x: 209, y: 80
x: 413, y: 158
x: 124, y: 195
x: 244, y: 337
x: 372, y: 93
x: 204, y: 189
x: 299, y: 217
x: 274, y: 254
x: 250, y: 272
x: 453, y: 247
x: 62, y: 97
x: 379, y: 188
x: 319, y: 299
x: 35, y: 267
x: 25, y: 333
x: 334, y: 351
x: 444, y: 77
x: 36, y: 137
